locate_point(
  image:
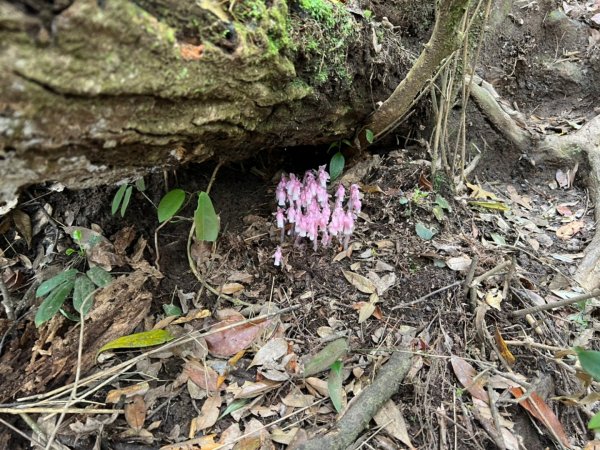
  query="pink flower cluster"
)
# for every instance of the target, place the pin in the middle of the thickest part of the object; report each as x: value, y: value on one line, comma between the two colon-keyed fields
x: 304, y: 205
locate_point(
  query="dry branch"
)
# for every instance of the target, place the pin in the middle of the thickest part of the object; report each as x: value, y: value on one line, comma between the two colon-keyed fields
x: 362, y: 410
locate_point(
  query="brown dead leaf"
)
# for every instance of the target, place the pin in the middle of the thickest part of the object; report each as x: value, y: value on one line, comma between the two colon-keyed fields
x: 536, y: 406
x: 272, y: 351
x: 232, y: 288
x: 524, y: 201
x: 203, y: 376
x: 114, y: 395
x: 504, y: 351
x: 390, y: 418
x: 569, y: 230
x: 254, y: 389
x: 23, y: 225
x: 297, y: 399
x: 424, y: 183
x: 209, y: 413
x: 361, y: 283
x: 365, y: 310
x: 228, y: 342
x: 135, y: 413
x: 465, y: 374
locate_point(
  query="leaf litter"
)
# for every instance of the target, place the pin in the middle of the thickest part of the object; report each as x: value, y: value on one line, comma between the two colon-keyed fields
x: 243, y: 374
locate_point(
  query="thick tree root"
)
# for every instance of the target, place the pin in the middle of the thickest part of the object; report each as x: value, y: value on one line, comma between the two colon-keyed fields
x: 584, y: 144
x: 361, y: 411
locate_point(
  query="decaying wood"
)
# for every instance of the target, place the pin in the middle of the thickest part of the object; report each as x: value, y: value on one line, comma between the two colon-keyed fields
x: 118, y: 310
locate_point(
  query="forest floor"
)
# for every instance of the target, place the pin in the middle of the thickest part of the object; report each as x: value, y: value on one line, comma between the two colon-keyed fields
x: 218, y: 377
x: 244, y: 385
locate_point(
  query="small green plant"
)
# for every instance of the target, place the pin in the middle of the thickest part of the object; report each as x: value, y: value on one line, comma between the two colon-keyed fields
x: 337, y: 162
x: 70, y: 283
x: 590, y: 363
x: 206, y: 221
x: 369, y: 136
x: 170, y: 204
x: 123, y: 196
x: 367, y: 14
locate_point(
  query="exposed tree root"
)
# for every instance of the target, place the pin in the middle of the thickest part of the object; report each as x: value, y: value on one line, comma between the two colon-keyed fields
x: 361, y: 411
x: 445, y: 39
x: 584, y: 144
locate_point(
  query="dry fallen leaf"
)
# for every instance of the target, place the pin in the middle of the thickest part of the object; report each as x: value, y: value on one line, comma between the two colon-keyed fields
x: 494, y: 298
x: 504, y: 351
x: 459, y: 263
x: 135, y: 413
x: 541, y: 411
x: 203, y: 376
x: 391, y: 419
x: 228, y: 342
x: 465, y: 374
x: 569, y: 230
x: 209, y: 413
x: 361, y: 283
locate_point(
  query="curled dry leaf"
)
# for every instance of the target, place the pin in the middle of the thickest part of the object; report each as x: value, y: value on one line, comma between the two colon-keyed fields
x: 504, y: 351
x: 254, y: 389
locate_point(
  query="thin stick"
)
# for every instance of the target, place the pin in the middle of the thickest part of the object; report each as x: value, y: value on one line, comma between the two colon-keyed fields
x: 555, y: 305
x: 50, y: 410
x: 470, y: 275
x: 425, y: 297
x: 490, y: 273
x: 20, y: 433
x: 7, y: 301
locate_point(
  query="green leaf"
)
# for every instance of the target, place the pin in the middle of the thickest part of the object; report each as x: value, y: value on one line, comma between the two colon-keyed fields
x: 172, y: 310
x: 53, y: 302
x: 52, y: 283
x: 206, y: 220
x: 438, y: 212
x: 423, y: 232
x: 99, y: 276
x: 370, y: 136
x: 139, y: 340
x: 234, y: 406
x: 82, y: 295
x: 140, y: 184
x: 594, y: 422
x: 590, y: 362
x: 126, y: 199
x: 442, y: 202
x: 117, y: 199
x: 70, y: 316
x: 335, y: 144
x: 326, y: 357
x: 170, y: 204
x: 334, y: 385
x: 336, y: 165
x: 498, y: 238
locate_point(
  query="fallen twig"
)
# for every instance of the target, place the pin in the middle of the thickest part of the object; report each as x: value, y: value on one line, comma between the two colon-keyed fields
x: 425, y: 297
x: 361, y: 411
x: 555, y: 305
